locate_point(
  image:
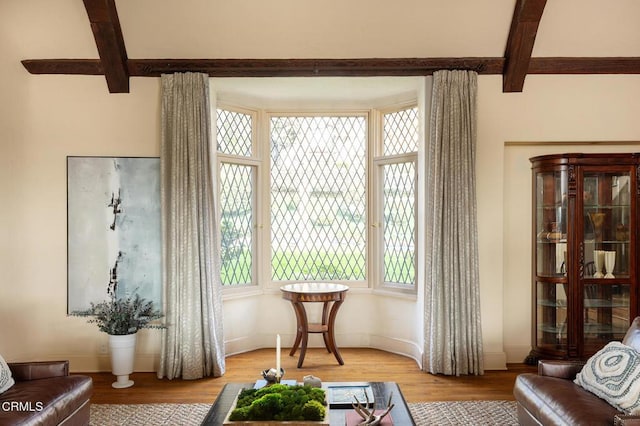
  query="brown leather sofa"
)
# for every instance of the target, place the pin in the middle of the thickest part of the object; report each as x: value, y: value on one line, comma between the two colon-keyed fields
x: 45, y: 393
x: 552, y: 398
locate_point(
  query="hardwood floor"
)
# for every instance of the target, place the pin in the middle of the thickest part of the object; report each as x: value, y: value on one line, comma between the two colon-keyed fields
x: 360, y: 365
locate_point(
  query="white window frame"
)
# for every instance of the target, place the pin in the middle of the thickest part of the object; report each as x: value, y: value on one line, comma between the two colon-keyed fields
x: 255, y: 162
x: 260, y: 159
x: 266, y: 190
x: 379, y: 160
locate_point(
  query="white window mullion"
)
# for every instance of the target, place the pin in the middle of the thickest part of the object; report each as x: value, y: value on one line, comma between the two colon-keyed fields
x: 238, y: 173
x: 396, y: 168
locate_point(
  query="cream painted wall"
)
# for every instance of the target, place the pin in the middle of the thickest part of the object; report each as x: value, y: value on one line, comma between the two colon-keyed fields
x: 45, y: 118
x: 551, y: 108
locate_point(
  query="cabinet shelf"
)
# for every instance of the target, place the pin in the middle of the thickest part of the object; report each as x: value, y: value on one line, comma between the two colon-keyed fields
x: 604, y: 303
x: 607, y: 242
x: 583, y: 204
x: 590, y: 207
x: 561, y: 303
x: 595, y: 328
x: 560, y: 329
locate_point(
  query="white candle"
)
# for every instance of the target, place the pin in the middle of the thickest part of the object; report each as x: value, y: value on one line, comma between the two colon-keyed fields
x: 278, y: 356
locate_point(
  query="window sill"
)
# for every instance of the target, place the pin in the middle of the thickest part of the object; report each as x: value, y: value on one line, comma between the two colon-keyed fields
x: 232, y: 293
x: 399, y: 294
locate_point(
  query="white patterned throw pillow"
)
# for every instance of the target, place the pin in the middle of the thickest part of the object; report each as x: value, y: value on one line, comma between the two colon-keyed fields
x: 613, y: 374
x: 6, y: 381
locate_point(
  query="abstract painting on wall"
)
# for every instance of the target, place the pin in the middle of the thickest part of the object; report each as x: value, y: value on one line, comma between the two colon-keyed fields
x: 113, y: 229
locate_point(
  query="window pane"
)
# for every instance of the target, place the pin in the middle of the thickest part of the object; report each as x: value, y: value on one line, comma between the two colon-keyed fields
x: 318, y: 202
x: 236, y: 201
x: 401, y: 132
x: 234, y: 133
x: 399, y: 223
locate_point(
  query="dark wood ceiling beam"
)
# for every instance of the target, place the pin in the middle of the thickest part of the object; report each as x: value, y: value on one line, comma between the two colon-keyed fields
x: 334, y: 67
x: 107, y: 32
x: 522, y: 37
x: 601, y: 65
x: 272, y: 67
x: 313, y: 67
x: 64, y: 66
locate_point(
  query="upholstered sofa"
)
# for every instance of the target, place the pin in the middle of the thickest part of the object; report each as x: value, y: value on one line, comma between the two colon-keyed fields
x: 45, y: 393
x: 552, y: 398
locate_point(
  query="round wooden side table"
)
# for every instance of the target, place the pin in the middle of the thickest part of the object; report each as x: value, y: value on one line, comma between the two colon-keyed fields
x: 332, y: 296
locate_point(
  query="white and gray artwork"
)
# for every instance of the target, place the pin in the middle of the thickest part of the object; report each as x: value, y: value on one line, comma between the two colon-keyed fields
x: 113, y: 228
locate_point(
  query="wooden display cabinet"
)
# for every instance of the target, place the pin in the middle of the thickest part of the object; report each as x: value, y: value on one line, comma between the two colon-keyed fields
x: 585, y: 252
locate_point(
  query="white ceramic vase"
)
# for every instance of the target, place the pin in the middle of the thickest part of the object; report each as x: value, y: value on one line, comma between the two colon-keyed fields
x: 609, y: 263
x: 598, y: 260
x: 123, y: 350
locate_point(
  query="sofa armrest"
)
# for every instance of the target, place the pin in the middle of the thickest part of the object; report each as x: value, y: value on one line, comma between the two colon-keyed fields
x: 560, y: 368
x: 23, y: 371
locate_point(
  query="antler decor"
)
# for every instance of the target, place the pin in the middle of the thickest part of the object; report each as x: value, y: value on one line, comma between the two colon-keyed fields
x: 369, y: 417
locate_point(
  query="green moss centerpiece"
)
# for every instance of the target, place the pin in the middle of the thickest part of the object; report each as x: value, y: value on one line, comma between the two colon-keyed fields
x: 280, y: 403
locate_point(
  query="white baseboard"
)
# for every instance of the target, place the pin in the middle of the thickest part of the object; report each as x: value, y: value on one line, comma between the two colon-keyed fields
x: 102, y: 363
x: 517, y: 353
x: 495, y: 361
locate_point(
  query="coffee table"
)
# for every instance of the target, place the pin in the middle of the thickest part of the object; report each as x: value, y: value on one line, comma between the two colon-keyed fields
x: 381, y: 391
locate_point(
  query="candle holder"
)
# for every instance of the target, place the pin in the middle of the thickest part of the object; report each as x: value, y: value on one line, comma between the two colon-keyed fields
x: 271, y: 377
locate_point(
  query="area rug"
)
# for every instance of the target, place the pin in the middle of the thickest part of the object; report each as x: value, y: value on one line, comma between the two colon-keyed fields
x: 502, y: 413
x: 148, y: 414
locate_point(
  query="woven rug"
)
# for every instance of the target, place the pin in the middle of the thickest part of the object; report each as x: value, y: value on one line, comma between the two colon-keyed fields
x: 148, y: 414
x: 501, y: 413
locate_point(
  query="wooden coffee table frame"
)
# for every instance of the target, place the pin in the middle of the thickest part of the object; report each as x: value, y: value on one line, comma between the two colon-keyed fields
x: 381, y: 391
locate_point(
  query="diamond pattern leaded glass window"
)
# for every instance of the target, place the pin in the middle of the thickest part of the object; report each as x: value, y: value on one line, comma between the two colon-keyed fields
x: 318, y: 200
x: 234, y: 133
x: 401, y: 132
x: 398, y: 167
x: 399, y: 223
x: 236, y: 224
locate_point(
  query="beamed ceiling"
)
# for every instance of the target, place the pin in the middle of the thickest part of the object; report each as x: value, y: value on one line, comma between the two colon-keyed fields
x: 158, y: 24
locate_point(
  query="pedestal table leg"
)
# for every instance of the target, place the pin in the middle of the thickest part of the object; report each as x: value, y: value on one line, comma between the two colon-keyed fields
x: 332, y: 336
x: 302, y: 335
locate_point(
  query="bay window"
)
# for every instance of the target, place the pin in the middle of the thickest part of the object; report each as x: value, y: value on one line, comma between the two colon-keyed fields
x: 341, y: 199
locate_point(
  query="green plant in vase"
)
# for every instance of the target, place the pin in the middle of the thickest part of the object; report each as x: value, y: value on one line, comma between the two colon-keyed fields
x: 121, y: 318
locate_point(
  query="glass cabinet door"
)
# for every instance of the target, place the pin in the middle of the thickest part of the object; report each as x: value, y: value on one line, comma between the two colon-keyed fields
x: 551, y: 260
x: 606, y: 314
x: 606, y: 263
x: 551, y: 224
x: 606, y: 205
x: 551, y: 316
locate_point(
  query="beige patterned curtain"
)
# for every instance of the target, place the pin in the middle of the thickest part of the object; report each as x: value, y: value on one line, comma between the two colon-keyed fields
x: 192, y: 344
x: 453, y: 336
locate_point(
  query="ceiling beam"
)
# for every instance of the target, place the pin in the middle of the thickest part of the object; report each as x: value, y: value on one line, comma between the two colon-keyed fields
x: 110, y: 42
x: 335, y: 67
x: 64, y: 66
x: 522, y: 36
x: 313, y: 67
x: 599, y: 65
x: 272, y: 67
